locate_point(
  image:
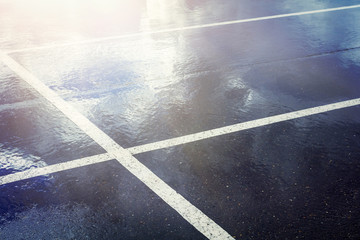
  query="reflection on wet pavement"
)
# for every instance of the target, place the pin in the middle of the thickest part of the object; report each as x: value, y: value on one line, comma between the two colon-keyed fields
x: 294, y: 179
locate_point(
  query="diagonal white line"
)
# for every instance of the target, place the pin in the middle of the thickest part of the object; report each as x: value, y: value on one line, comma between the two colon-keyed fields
x: 178, y: 140
x: 188, y: 211
x: 35, y: 172
x: 242, y: 126
x: 18, y: 105
x: 185, y: 28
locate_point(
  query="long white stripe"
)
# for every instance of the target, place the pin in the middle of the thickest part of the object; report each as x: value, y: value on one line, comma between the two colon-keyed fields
x: 188, y: 211
x: 179, y: 140
x: 185, y: 28
x: 18, y: 105
x: 35, y: 172
x: 242, y: 126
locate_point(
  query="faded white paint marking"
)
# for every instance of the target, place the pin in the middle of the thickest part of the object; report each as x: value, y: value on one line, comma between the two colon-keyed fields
x: 188, y: 211
x: 18, y: 105
x: 185, y: 28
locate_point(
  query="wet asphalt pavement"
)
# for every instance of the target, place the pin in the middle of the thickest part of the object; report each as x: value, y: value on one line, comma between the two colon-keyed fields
x: 294, y: 179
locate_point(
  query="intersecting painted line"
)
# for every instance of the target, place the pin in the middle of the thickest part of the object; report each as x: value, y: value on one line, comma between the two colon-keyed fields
x: 179, y: 140
x: 17, y: 105
x: 242, y: 126
x: 35, y: 172
x: 186, y: 28
x: 189, y: 212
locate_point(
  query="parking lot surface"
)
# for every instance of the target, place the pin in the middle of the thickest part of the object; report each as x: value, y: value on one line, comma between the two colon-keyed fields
x: 184, y: 119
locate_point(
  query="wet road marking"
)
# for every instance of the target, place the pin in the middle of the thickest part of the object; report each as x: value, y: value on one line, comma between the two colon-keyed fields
x: 178, y: 140
x: 18, y: 105
x: 41, y: 171
x: 189, y: 212
x: 243, y: 126
x: 185, y: 28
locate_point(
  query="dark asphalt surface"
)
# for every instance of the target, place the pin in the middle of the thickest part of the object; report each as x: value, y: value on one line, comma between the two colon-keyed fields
x: 295, y: 179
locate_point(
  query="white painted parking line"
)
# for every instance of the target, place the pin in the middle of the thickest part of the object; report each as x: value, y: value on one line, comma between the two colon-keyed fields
x: 185, y: 28
x: 188, y: 211
x: 19, y: 105
x: 242, y: 126
x: 35, y: 172
x: 180, y: 140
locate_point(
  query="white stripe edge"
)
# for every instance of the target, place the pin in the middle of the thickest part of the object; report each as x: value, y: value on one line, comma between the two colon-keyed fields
x: 95, y: 40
